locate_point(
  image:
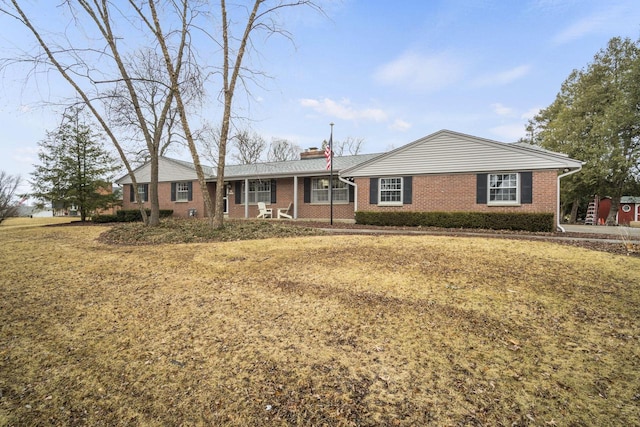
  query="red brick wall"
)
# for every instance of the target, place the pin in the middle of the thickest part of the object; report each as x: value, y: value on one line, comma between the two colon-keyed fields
x: 445, y: 193
x: 457, y: 192
x: 180, y: 209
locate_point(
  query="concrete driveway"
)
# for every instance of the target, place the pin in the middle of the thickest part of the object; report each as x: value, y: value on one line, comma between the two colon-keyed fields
x: 603, y: 229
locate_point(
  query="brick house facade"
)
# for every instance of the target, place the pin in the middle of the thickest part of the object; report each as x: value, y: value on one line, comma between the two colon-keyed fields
x: 445, y: 171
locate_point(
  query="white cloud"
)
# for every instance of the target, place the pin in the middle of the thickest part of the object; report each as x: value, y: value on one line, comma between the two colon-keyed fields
x: 501, y: 110
x: 579, y: 29
x: 529, y: 114
x: 343, y: 110
x: 400, y: 125
x: 509, y: 133
x: 612, y: 17
x: 421, y: 72
x: 503, y: 77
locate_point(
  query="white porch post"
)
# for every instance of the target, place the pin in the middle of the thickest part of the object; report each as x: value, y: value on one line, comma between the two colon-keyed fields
x: 295, y: 197
x: 246, y: 198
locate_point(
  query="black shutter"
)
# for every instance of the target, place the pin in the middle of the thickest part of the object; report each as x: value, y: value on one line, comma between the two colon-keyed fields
x: 273, y: 191
x: 526, y: 187
x: 190, y: 196
x: 146, y: 193
x: 238, y: 192
x: 132, y: 193
x: 351, y: 194
x: 407, y: 190
x: 373, y: 191
x: 173, y: 191
x: 481, y: 189
x: 307, y: 190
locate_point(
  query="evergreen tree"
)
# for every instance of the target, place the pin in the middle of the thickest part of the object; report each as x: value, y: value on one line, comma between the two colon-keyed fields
x: 75, y: 169
x: 596, y: 118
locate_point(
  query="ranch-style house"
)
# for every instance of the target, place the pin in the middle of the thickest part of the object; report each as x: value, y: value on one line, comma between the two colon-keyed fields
x: 446, y: 171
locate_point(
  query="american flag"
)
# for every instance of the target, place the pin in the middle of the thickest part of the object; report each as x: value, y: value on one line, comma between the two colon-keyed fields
x: 327, y: 154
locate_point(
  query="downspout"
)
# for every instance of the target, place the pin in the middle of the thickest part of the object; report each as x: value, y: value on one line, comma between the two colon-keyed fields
x: 355, y: 192
x: 558, y: 197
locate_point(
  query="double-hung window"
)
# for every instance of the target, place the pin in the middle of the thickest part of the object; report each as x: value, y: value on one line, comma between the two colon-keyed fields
x: 320, y: 191
x: 503, y: 188
x: 182, y: 192
x: 143, y: 192
x: 390, y: 191
x: 259, y: 191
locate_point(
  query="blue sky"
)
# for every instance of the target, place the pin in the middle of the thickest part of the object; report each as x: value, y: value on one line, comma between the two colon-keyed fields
x: 387, y: 72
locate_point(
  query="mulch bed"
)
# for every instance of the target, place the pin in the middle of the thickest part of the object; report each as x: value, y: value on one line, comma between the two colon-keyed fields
x: 595, y: 241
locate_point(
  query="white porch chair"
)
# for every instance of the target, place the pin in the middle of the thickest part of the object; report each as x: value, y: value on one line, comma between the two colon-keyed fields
x: 264, y: 212
x: 284, y: 212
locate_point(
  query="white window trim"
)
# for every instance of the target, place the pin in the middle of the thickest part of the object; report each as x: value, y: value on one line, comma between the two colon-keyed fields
x: 336, y: 181
x: 142, y: 193
x: 254, y: 192
x: 515, y: 202
x: 394, y: 203
x: 185, y: 192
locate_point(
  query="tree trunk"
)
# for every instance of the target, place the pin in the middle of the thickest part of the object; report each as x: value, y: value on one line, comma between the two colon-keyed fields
x: 154, y: 218
x: 573, y: 218
x: 613, y: 212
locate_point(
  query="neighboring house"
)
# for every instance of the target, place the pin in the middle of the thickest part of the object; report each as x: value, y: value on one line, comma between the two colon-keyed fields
x: 629, y: 210
x: 445, y: 171
x: 599, y: 208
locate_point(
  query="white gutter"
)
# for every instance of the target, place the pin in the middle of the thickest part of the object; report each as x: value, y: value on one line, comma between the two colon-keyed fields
x: 558, y: 196
x: 355, y: 192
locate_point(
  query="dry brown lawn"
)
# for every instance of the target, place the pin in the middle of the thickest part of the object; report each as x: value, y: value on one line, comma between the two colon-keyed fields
x: 328, y: 330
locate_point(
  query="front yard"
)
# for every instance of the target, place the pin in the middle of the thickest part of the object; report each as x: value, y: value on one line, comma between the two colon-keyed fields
x: 315, y: 330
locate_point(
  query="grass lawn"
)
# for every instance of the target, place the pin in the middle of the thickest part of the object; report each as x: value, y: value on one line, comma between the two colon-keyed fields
x: 23, y: 222
x: 315, y: 330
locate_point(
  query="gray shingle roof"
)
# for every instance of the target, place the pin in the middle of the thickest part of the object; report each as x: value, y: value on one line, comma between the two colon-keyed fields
x: 629, y: 199
x: 208, y: 170
x: 307, y: 167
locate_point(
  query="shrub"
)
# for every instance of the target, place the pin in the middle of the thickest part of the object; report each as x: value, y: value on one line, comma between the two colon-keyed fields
x: 101, y: 219
x: 133, y: 215
x: 535, y: 222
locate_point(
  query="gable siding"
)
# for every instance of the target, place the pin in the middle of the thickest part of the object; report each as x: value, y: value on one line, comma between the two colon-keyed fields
x: 448, y: 152
x: 168, y: 171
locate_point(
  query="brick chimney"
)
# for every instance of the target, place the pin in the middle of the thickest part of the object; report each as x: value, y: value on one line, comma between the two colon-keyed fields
x: 311, y: 153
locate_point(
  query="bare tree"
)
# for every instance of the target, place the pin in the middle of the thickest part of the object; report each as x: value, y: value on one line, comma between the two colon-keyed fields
x: 249, y: 147
x: 154, y: 88
x: 94, y: 72
x: 99, y: 64
x: 207, y: 140
x: 8, y: 187
x: 260, y: 17
x: 282, y: 150
x: 348, y: 146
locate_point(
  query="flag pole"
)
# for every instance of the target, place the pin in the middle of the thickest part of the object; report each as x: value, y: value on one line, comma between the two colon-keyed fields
x: 331, y: 175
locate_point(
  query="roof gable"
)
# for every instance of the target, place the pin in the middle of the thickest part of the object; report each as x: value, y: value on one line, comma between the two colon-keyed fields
x: 451, y: 152
x: 169, y: 170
